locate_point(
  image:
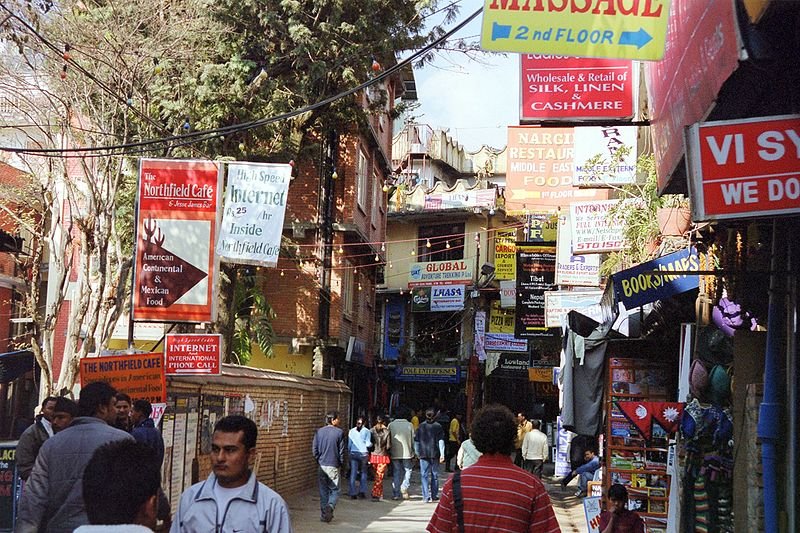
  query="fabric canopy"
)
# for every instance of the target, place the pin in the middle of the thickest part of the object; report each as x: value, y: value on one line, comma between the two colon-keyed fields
x: 15, y: 364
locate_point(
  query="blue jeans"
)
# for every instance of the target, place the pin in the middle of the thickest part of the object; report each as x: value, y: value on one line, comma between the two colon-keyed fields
x: 401, y: 470
x: 585, y: 477
x: 358, y: 461
x: 328, y: 477
x: 429, y: 469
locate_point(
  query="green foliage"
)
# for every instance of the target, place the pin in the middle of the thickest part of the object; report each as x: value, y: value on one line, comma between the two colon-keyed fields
x: 253, y: 323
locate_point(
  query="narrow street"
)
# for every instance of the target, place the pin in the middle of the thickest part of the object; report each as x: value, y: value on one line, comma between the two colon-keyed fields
x: 389, y: 516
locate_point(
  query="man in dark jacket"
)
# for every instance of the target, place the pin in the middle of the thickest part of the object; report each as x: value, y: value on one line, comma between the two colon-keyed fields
x: 328, y: 450
x: 52, y: 500
x: 32, y: 438
x: 144, y: 428
x: 429, y: 446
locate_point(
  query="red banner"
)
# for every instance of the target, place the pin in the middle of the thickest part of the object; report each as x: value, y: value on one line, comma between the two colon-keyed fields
x: 175, y: 235
x: 701, y: 53
x: 575, y: 88
x: 193, y: 354
x: 745, y: 168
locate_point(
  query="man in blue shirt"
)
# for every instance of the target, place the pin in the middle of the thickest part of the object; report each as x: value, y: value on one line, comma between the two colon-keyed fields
x: 328, y: 450
x: 586, y: 471
x: 429, y: 447
x: 359, y: 441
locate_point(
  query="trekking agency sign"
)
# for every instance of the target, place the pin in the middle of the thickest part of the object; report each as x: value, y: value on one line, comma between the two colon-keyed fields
x: 744, y: 168
x: 176, y: 226
x: 585, y: 28
x: 255, y: 203
x: 192, y: 353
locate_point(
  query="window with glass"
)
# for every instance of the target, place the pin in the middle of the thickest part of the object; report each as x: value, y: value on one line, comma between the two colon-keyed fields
x: 442, y: 242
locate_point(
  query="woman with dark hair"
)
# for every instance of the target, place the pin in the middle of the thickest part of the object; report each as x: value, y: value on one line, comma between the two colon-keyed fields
x: 380, y: 457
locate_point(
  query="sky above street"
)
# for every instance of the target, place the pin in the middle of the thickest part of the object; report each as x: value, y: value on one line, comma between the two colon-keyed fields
x: 475, y: 99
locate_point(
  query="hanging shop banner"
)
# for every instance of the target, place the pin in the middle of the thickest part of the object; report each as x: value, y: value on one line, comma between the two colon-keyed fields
x: 514, y: 363
x: 589, y: 28
x: 593, y: 231
x: 395, y: 328
x: 744, y: 168
x: 500, y: 320
x: 437, y: 298
x: 542, y: 227
x: 592, y: 507
x: 439, y: 273
x: 480, y: 335
x: 635, y: 287
x: 357, y: 352
x: 428, y: 374
x: 508, y: 292
x: 563, y: 466
x: 539, y: 170
x: 702, y: 52
x: 536, y: 273
x: 10, y: 485
x: 175, y: 266
x: 595, y: 162
x: 505, y: 342
x: 140, y: 376
x: 192, y: 353
x: 558, y: 303
x: 505, y: 254
x: 435, y: 201
x: 255, y: 203
x: 574, y: 270
x: 555, y: 87
x: 541, y: 374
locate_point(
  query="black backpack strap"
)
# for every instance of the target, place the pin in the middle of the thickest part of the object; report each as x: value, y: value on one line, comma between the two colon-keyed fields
x: 458, y: 500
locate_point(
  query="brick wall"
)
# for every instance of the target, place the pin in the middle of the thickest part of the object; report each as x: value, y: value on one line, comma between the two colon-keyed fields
x: 284, y: 442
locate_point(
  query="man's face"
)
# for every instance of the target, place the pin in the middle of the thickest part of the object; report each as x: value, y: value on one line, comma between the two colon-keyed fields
x: 520, y: 418
x: 359, y: 424
x: 617, y: 506
x: 230, y: 458
x: 335, y: 422
x: 61, y: 420
x: 123, y: 409
x: 108, y: 412
x: 137, y: 416
x: 588, y: 456
x: 48, y: 410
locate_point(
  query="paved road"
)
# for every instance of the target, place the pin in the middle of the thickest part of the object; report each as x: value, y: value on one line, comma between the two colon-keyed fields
x: 410, y: 516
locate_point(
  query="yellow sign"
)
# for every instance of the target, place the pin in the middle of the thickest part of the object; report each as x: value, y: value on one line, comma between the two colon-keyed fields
x: 540, y: 375
x: 505, y: 254
x: 500, y: 320
x: 622, y: 29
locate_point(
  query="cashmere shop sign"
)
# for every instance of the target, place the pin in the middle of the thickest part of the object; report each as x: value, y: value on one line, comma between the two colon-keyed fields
x: 592, y: 230
x: 175, y: 266
x: 187, y: 353
x: 439, y: 273
x: 255, y: 203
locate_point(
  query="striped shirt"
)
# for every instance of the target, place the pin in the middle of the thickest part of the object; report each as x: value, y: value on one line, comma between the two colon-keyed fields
x: 499, y: 497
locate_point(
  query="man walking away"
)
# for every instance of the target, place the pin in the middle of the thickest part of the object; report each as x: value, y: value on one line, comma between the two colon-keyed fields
x: 144, y: 428
x: 523, y: 427
x: 534, y: 450
x: 53, y: 500
x: 495, y: 494
x: 402, y: 432
x: 120, y: 485
x: 32, y: 438
x: 359, y: 441
x: 429, y: 446
x: 328, y: 450
x: 232, y: 499
x: 453, y: 441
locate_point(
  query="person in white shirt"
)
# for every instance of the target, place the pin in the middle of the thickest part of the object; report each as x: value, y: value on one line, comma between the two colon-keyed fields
x: 402, y: 432
x: 534, y: 450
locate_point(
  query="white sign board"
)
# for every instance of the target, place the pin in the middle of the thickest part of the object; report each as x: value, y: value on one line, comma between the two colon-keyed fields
x: 559, y: 303
x: 505, y: 342
x: 508, y: 294
x: 447, y: 298
x: 594, y: 151
x: 574, y: 270
x: 158, y: 412
x: 252, y: 221
x: 593, y: 232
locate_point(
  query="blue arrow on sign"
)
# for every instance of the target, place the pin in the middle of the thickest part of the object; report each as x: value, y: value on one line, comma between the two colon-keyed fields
x: 635, y: 38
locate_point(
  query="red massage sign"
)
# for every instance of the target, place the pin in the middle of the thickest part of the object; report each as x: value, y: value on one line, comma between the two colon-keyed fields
x: 190, y: 353
x: 744, y: 168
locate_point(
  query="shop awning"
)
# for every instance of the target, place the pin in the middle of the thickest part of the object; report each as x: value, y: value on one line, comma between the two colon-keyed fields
x: 15, y: 364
